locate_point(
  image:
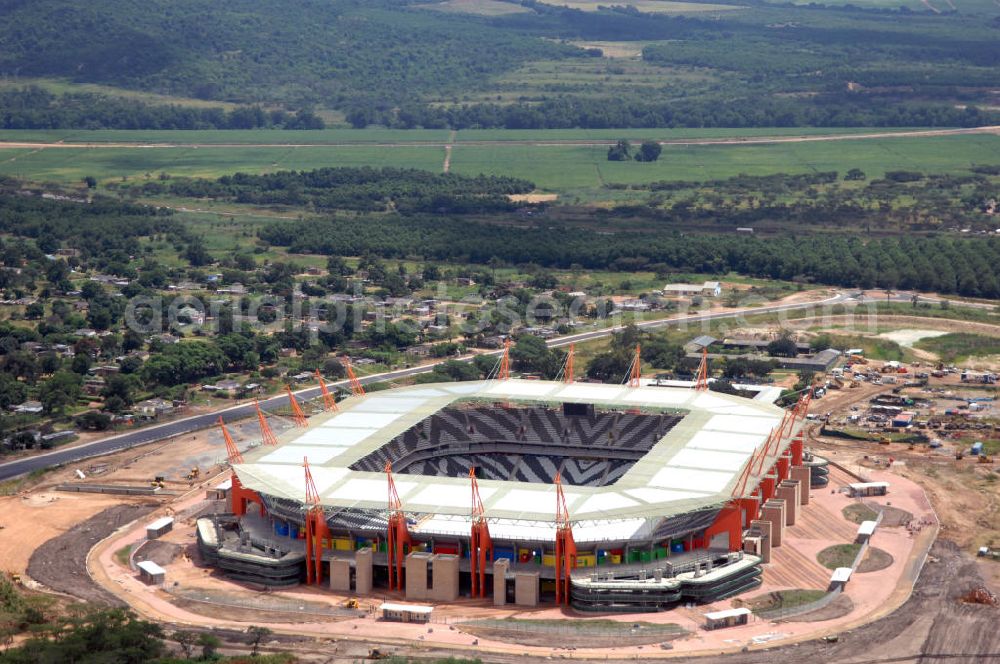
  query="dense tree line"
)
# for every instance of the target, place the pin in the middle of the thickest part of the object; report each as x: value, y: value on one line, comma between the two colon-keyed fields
x: 641, y: 112
x: 35, y: 108
x: 367, y: 189
x: 968, y: 266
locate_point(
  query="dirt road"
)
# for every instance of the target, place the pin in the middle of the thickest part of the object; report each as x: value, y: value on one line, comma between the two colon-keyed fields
x: 61, y: 563
x: 933, y: 625
x: 738, y: 140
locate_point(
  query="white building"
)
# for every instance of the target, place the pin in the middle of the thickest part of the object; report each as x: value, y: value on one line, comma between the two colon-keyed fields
x: 708, y: 289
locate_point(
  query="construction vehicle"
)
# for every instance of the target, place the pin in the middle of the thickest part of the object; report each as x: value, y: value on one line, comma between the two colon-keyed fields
x: 855, y: 383
x: 884, y: 440
x: 985, y: 458
x: 157, y: 482
x: 959, y: 456
x: 15, y: 578
x: 193, y: 475
x: 858, y: 359
x: 352, y: 603
x: 375, y: 653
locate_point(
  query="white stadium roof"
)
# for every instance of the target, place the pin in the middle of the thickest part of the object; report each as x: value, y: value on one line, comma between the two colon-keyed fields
x: 695, y: 465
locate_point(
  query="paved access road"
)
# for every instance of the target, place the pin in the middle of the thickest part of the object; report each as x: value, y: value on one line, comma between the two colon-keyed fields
x: 160, y: 432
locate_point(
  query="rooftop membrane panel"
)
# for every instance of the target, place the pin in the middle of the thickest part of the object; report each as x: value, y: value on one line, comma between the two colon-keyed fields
x: 694, y: 466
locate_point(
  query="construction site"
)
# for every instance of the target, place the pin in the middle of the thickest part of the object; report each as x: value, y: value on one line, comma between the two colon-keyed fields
x: 658, y: 517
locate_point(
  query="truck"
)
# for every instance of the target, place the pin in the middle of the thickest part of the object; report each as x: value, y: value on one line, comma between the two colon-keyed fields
x: 977, y: 448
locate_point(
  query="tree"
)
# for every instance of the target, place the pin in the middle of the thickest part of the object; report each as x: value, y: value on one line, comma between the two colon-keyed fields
x: 649, y: 151
x: 34, y: 311
x: 196, y: 254
x: 783, y: 346
x: 255, y: 635
x: 620, y: 151
x: 90, y: 181
x: 12, y: 391
x: 49, y: 363
x: 453, y: 370
x: 60, y: 391
x: 855, y: 174
x: 209, y: 645
x: 94, y: 421
x: 609, y: 367
x: 120, y: 388
x: 186, y: 640
x: 822, y: 342
x: 115, y: 636
x: 81, y: 363
x: 662, y: 354
x: 532, y: 355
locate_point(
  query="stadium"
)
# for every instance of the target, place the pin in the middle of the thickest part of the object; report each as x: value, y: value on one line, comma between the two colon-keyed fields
x: 604, y: 497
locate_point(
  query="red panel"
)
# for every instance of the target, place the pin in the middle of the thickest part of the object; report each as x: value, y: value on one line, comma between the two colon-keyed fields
x: 729, y: 520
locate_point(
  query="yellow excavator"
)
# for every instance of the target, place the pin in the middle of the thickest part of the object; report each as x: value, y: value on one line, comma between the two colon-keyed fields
x: 352, y: 603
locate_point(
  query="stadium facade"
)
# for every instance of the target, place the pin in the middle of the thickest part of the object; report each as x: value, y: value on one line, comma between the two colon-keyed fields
x: 671, y: 494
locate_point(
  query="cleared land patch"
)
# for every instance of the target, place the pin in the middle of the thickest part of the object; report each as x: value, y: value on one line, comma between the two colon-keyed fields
x: 615, y: 49
x: 650, y: 6
x: 478, y: 7
x: 581, y: 633
x: 958, y: 346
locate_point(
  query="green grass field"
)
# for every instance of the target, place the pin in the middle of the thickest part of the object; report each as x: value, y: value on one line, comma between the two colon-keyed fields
x: 542, y: 135
x: 562, y: 168
x: 69, y: 165
x: 229, y: 137
x: 960, y: 346
x: 566, y: 169
x: 280, y: 137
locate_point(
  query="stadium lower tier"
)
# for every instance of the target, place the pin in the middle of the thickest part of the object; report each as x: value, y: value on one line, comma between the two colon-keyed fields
x: 623, y: 577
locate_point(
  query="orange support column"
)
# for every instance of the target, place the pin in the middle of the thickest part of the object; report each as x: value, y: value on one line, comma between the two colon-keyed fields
x: 796, y: 448
x: 783, y: 465
x: 749, y: 509
x: 767, y: 488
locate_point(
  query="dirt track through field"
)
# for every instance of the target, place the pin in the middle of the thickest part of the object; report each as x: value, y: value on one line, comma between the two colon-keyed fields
x: 736, y: 140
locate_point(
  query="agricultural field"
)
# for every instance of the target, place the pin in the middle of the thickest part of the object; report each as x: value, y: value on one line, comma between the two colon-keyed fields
x: 477, y: 7
x: 275, y: 137
x: 548, y: 158
x: 649, y: 6
x: 594, y: 78
x: 569, y: 168
x: 392, y: 137
x: 71, y: 165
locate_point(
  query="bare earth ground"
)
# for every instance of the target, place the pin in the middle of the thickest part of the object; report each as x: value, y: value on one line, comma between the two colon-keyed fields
x: 875, y: 560
x: 838, y: 608
x: 932, y: 626
x: 61, y: 562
